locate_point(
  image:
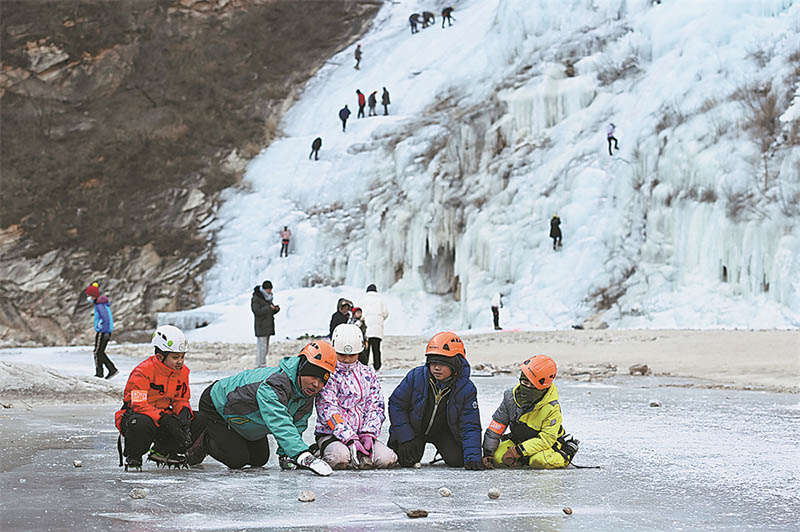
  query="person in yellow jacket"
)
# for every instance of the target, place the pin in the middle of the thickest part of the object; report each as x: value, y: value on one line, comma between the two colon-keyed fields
x: 532, y: 415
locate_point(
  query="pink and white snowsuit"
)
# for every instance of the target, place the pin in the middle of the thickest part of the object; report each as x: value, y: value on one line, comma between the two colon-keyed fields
x: 351, y: 404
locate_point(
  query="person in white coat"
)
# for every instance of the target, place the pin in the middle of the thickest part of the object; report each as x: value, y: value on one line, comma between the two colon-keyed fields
x: 497, y: 304
x: 375, y: 313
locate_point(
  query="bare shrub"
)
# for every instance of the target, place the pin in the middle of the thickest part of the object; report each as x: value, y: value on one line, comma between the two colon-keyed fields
x: 609, y: 70
x: 606, y: 297
x: 737, y: 202
x: 671, y: 116
x: 761, y: 113
x: 708, y: 195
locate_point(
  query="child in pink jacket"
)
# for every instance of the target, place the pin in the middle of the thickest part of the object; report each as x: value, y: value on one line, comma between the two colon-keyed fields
x: 350, y: 409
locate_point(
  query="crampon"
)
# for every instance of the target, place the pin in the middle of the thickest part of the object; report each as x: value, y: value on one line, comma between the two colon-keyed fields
x: 178, y: 461
x: 133, y: 464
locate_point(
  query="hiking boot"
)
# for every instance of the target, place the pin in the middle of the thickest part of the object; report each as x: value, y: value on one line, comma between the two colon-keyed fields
x: 167, y: 460
x: 111, y: 373
x: 133, y: 463
x: 197, y: 452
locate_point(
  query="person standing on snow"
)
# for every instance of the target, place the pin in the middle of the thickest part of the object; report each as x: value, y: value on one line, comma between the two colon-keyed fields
x: 385, y: 101
x: 362, y: 101
x: 358, y: 56
x: 350, y: 409
x: 531, y: 412
x: 497, y: 304
x: 428, y: 19
x: 315, y: 146
x: 344, y: 114
x: 447, y: 16
x: 373, y: 101
x: 236, y: 413
x: 341, y: 315
x: 610, y: 136
x: 155, y: 407
x: 414, y: 20
x: 103, y: 326
x: 437, y: 403
x: 286, y: 235
x: 264, y: 317
x: 555, y: 231
x: 375, y: 314
x: 357, y: 319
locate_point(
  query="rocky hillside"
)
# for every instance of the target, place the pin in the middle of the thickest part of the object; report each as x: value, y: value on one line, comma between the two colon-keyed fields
x: 121, y: 123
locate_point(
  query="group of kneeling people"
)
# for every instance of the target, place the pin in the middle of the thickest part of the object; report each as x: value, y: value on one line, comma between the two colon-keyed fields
x: 435, y: 403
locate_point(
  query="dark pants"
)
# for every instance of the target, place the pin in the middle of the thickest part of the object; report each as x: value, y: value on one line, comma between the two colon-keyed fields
x: 385, y: 109
x: 609, y: 144
x: 140, y: 432
x: 451, y: 450
x: 344, y: 124
x: 225, y: 444
x: 315, y: 153
x: 100, y: 358
x: 414, y: 28
x: 496, y: 317
x: 373, y: 344
x: 360, y: 110
x: 284, y: 248
x: 372, y: 111
x: 556, y: 241
x: 448, y: 19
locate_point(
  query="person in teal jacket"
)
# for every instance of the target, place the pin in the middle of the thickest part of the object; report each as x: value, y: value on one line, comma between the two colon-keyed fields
x: 236, y: 413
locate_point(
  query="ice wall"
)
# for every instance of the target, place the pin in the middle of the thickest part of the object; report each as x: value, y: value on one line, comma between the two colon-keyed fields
x: 499, y: 122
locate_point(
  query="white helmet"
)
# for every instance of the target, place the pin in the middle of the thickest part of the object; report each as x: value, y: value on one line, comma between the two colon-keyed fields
x: 170, y: 339
x: 347, y: 339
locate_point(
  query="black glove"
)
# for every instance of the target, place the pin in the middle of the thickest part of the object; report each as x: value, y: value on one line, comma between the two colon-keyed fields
x: 410, y: 452
x: 175, y: 428
x: 474, y: 466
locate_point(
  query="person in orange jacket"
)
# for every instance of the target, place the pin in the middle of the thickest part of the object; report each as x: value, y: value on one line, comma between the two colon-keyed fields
x: 156, y: 408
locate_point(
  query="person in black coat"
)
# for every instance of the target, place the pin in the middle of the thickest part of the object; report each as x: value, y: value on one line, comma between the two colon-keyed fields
x: 358, y: 56
x: 555, y: 231
x: 447, y: 15
x: 315, y: 146
x: 385, y: 101
x: 264, y: 313
x: 344, y: 114
x: 428, y: 19
x: 372, y: 101
x: 342, y: 314
x: 414, y: 20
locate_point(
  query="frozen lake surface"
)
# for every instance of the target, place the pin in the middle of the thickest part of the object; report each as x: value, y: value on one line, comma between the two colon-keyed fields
x: 706, y: 459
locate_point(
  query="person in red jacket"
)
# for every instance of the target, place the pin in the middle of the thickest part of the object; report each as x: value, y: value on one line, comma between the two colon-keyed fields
x: 362, y: 101
x: 156, y: 408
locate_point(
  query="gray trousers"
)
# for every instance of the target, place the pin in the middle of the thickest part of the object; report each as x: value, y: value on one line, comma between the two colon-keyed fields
x: 262, y: 350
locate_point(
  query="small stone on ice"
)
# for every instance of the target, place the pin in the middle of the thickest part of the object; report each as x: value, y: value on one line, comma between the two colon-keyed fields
x: 654, y: 403
x: 494, y: 493
x: 417, y: 465
x: 77, y: 463
x: 444, y: 492
x: 306, y: 496
x: 567, y: 510
x: 413, y: 514
x: 138, y: 493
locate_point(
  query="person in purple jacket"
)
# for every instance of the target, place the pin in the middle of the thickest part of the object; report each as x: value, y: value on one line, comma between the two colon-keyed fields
x: 103, y: 326
x: 350, y: 409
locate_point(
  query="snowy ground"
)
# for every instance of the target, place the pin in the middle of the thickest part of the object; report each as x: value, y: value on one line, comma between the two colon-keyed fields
x: 686, y: 465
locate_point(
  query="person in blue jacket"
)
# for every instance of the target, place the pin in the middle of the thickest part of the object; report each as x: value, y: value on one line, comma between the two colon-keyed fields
x: 103, y: 326
x: 437, y: 403
x: 236, y: 414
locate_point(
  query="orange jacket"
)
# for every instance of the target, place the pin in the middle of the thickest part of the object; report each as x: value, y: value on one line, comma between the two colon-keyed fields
x: 153, y: 388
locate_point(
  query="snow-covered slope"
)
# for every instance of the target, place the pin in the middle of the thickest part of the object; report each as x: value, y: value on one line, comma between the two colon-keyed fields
x: 497, y: 123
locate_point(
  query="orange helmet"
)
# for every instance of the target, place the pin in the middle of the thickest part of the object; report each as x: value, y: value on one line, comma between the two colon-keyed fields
x: 540, y: 370
x: 321, y: 354
x: 445, y: 344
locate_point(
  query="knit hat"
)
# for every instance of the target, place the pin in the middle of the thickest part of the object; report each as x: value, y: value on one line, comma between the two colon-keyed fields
x: 311, y: 370
x: 372, y: 288
x: 93, y: 290
x: 454, y: 363
x: 266, y: 284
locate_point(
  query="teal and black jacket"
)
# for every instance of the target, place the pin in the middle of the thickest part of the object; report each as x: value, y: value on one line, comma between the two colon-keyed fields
x: 262, y: 401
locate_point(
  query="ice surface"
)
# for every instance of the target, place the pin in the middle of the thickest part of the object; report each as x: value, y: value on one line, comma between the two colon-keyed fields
x: 707, y: 459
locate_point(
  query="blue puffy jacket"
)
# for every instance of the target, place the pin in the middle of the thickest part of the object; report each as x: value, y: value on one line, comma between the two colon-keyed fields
x: 103, y: 320
x: 407, y: 406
